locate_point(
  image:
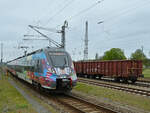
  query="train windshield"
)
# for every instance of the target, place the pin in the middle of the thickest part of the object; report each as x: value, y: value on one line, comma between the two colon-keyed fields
x: 59, y: 59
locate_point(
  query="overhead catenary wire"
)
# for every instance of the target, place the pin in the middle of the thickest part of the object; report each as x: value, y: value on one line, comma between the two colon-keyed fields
x: 111, y: 14
x: 60, y: 11
x: 93, y: 5
x: 121, y: 42
x: 74, y: 16
x: 82, y: 11
x: 114, y: 17
x: 54, y: 42
x: 42, y: 16
x: 126, y: 11
x: 85, y: 10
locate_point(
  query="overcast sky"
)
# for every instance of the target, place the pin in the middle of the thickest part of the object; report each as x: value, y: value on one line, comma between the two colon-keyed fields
x: 126, y: 25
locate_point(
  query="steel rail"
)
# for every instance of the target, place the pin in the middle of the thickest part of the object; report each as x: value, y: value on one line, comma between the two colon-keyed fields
x: 84, y: 106
x: 117, y: 87
x: 76, y: 104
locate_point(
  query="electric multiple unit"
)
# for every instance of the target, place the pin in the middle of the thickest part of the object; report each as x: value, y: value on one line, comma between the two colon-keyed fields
x: 49, y: 68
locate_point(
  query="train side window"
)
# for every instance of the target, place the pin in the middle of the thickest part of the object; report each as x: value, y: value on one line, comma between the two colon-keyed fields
x: 31, y: 66
x: 38, y: 66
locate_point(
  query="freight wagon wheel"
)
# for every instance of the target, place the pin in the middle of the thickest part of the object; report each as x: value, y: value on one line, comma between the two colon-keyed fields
x: 133, y: 80
x: 100, y: 77
x: 124, y: 80
x: 117, y: 79
x: 88, y: 76
x: 93, y: 76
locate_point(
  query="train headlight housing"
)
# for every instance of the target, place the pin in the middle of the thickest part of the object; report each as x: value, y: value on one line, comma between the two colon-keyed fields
x: 53, y: 70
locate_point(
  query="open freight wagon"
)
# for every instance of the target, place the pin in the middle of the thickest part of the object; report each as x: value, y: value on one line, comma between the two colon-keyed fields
x: 119, y: 69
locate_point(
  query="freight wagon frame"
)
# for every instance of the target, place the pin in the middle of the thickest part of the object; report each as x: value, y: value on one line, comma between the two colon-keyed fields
x: 119, y: 69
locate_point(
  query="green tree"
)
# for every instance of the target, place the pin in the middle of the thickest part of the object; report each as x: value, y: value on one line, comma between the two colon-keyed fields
x: 138, y: 55
x: 114, y: 54
x: 146, y: 62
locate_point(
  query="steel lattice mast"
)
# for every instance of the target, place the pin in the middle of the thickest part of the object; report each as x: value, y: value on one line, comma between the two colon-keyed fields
x: 86, y: 43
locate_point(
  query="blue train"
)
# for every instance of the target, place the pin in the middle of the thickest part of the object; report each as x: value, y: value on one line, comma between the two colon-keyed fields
x: 48, y: 68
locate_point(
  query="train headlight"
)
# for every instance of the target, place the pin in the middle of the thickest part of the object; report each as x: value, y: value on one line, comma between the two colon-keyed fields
x: 53, y: 70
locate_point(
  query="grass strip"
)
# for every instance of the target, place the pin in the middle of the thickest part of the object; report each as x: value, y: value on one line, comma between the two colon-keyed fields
x: 114, y: 95
x: 146, y: 72
x: 11, y: 101
x: 50, y: 108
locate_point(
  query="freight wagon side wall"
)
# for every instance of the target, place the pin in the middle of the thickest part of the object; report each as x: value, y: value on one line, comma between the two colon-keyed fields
x: 135, y: 68
x: 140, y: 65
x: 78, y: 67
x: 122, y: 68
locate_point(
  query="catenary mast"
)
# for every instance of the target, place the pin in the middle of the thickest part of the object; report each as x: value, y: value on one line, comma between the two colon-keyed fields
x: 86, y: 43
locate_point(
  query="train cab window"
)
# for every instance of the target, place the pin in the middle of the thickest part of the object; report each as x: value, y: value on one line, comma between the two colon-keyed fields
x: 59, y: 59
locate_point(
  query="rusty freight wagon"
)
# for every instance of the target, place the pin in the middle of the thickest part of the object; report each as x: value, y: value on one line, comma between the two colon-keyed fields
x: 119, y: 69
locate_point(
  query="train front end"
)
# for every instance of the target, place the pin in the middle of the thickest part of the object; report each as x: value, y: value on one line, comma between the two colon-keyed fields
x: 60, y: 71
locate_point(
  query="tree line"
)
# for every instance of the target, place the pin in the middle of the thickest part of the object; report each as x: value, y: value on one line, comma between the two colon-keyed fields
x: 118, y: 54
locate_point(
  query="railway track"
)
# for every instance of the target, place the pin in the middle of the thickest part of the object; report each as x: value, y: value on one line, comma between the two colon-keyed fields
x: 117, y: 87
x: 68, y: 102
x: 144, y: 81
x: 83, y: 106
x: 140, y: 83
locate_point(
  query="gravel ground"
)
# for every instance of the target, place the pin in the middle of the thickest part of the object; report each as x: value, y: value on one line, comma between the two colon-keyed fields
x: 37, y: 106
